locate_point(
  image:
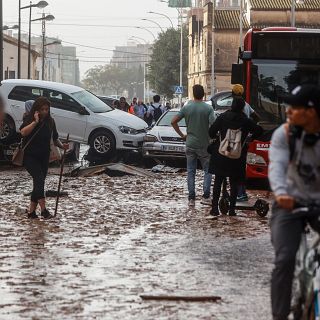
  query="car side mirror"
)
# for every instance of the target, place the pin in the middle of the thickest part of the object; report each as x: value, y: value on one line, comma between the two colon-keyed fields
x: 83, y: 111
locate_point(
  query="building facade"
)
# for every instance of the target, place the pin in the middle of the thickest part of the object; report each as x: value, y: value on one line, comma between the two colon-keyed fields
x: 10, y: 58
x: 224, y: 19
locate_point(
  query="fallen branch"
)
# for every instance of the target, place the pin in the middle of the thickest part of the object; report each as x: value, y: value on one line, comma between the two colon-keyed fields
x: 181, y: 298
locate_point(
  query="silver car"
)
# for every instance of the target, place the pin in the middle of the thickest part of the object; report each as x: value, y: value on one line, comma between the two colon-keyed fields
x: 162, y: 141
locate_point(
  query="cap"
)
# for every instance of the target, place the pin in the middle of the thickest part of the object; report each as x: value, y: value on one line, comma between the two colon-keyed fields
x: 238, y: 90
x: 306, y: 95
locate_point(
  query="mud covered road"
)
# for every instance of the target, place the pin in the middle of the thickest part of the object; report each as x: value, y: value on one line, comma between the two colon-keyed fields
x: 115, y: 239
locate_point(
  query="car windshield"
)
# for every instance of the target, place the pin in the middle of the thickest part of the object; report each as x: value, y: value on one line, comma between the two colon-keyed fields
x: 165, y: 121
x: 90, y: 101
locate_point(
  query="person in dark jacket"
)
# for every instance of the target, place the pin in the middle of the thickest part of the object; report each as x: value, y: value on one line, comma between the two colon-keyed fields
x: 39, y: 128
x: 222, y: 166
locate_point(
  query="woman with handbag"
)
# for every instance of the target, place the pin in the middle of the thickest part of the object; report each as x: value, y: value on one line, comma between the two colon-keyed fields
x: 229, y: 151
x: 37, y: 130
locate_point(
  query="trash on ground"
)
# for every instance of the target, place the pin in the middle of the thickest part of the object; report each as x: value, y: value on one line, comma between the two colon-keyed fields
x: 165, y: 169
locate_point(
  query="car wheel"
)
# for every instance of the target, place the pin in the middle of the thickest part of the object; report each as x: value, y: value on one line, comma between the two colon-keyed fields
x: 103, y: 143
x: 7, y: 130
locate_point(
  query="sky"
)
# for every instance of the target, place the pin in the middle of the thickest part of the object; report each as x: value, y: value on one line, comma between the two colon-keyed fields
x: 76, y: 23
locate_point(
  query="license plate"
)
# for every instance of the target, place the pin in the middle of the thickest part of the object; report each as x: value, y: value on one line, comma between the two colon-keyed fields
x: 173, y: 148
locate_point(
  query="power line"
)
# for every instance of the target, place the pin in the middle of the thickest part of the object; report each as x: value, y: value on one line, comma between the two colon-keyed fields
x: 97, y: 48
x: 104, y: 61
x: 104, y: 57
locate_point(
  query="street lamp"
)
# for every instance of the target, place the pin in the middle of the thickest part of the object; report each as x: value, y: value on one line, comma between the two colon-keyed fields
x: 156, y: 23
x: 44, y: 18
x: 40, y: 5
x: 163, y: 15
x: 293, y: 11
x: 154, y: 37
x: 134, y: 37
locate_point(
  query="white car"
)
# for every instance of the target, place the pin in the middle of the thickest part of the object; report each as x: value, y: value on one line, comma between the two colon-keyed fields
x: 162, y: 141
x: 77, y: 112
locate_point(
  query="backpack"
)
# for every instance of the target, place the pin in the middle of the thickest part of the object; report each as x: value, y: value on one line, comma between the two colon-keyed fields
x: 157, y: 112
x: 231, y: 145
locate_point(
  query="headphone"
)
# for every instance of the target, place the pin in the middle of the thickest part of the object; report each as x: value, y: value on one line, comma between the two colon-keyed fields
x: 310, y: 139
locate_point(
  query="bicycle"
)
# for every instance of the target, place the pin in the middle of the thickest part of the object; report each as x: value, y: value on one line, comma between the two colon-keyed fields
x: 306, y: 283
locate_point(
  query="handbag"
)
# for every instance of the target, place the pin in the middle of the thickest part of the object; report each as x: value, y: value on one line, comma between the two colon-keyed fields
x: 18, y: 153
x: 55, y: 153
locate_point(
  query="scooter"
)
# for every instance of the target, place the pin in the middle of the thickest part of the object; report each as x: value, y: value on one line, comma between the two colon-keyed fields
x: 261, y: 207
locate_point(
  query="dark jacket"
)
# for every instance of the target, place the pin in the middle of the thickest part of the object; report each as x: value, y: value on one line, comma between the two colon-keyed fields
x: 39, y: 146
x: 224, y: 166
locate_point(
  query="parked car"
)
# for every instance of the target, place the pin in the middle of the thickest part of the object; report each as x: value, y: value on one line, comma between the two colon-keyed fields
x: 77, y: 112
x: 162, y: 141
x: 107, y: 100
x: 221, y: 101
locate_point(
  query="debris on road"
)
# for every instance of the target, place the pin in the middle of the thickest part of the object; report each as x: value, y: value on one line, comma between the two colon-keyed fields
x: 165, y: 169
x: 181, y: 298
x: 112, y: 169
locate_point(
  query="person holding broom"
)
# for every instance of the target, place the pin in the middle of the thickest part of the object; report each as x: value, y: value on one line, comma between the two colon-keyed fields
x: 37, y: 130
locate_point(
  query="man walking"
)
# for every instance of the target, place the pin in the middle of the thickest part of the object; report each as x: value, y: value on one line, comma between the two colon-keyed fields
x: 199, y: 116
x: 155, y: 110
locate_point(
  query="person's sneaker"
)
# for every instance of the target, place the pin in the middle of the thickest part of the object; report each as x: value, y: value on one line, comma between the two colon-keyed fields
x: 192, y: 203
x: 232, y: 213
x: 32, y: 215
x: 46, y: 215
x: 206, y: 201
x: 242, y: 198
x: 214, y: 212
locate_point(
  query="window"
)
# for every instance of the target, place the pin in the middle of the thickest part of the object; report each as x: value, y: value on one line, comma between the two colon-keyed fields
x: 24, y: 93
x: 62, y: 101
x: 90, y: 101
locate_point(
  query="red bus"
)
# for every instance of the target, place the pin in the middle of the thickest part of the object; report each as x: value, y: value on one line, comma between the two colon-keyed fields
x: 274, y: 61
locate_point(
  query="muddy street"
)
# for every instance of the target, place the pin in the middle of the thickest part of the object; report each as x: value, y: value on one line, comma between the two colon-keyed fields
x: 117, y: 238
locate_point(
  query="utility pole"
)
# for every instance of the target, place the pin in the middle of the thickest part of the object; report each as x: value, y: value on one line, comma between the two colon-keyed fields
x: 241, y: 24
x: 181, y: 50
x: 43, y: 43
x: 19, y: 42
x: 1, y: 42
x: 213, y: 49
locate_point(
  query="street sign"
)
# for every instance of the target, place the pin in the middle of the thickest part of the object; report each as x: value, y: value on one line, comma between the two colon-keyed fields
x: 180, y: 3
x: 178, y: 90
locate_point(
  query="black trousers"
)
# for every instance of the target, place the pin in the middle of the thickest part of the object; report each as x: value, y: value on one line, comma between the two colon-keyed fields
x: 218, y: 180
x: 37, y: 167
x: 286, y: 230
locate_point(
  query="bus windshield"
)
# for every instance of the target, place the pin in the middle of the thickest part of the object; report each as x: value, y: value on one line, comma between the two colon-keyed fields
x: 270, y: 79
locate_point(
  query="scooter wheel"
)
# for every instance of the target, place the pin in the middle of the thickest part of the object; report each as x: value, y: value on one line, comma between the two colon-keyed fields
x: 224, y: 205
x: 261, y: 207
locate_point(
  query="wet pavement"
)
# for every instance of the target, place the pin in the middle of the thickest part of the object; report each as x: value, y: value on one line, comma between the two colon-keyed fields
x: 115, y: 239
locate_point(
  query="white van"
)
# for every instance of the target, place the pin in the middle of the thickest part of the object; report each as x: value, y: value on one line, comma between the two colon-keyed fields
x: 77, y: 112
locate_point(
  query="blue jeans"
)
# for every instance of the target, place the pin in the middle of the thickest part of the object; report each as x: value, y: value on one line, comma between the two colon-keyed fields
x: 192, y: 156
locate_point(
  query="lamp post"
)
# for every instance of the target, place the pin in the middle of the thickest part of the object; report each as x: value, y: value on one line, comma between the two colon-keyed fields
x: 293, y: 11
x: 44, y: 18
x: 40, y: 5
x: 156, y: 23
x: 154, y: 37
x: 163, y: 15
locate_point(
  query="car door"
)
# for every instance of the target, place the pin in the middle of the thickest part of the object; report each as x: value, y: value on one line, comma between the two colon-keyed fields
x: 17, y: 98
x: 66, y: 113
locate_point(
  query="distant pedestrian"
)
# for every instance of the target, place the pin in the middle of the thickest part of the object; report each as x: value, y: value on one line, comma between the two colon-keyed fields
x: 37, y: 130
x: 167, y: 107
x: 238, y: 91
x: 28, y: 106
x: 155, y: 110
x: 232, y: 128
x: 199, y: 116
x: 123, y: 104
x: 140, y: 110
x: 116, y: 104
x: 133, y: 105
